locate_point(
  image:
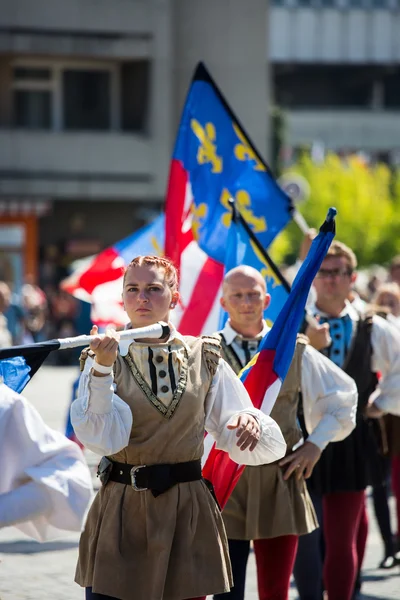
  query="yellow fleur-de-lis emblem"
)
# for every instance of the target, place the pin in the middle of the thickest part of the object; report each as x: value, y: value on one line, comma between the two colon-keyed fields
x: 266, y: 271
x: 199, y: 213
x: 243, y: 204
x: 243, y: 151
x: 207, y: 152
x: 158, y: 251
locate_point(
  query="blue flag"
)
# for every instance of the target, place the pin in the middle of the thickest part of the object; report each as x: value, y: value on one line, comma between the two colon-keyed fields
x: 216, y: 160
x: 19, y: 363
x: 264, y: 374
x: 241, y: 250
x: 290, y: 317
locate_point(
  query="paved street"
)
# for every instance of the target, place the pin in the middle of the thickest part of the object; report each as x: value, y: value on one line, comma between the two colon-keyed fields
x: 32, y: 571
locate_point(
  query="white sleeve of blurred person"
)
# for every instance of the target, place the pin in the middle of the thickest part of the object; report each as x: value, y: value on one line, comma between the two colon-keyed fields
x: 329, y: 399
x: 45, y: 484
x: 385, y: 341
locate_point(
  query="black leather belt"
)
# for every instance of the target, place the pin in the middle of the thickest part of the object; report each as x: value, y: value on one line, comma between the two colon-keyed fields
x: 156, y: 478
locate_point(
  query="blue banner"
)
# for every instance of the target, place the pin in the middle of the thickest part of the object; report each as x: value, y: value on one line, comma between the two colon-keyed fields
x: 221, y: 162
x: 241, y: 250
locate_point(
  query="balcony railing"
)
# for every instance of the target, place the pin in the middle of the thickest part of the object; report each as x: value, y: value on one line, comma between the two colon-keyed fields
x: 353, y: 129
x: 102, y: 165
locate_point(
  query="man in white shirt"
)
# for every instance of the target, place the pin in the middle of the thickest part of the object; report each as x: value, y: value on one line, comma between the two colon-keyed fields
x: 45, y: 484
x: 362, y: 346
x: 270, y: 504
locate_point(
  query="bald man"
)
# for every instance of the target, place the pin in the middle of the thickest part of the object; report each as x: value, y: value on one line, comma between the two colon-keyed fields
x: 270, y: 504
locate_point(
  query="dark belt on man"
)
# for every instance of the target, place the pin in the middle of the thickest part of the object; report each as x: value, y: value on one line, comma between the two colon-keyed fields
x: 156, y: 478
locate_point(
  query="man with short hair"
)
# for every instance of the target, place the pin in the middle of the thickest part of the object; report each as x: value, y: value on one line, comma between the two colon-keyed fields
x: 270, y: 504
x: 362, y: 345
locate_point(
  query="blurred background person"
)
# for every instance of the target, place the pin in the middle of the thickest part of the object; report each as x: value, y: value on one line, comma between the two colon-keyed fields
x: 5, y: 334
x: 34, y: 303
x: 387, y: 298
x: 394, y: 269
x: 14, y: 313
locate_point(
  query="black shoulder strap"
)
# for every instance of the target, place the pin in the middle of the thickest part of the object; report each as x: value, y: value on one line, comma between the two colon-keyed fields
x: 232, y: 358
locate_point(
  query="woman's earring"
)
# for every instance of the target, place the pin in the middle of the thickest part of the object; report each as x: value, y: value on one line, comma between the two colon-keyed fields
x: 172, y: 305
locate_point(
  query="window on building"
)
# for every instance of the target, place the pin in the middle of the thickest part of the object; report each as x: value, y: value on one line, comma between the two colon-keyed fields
x: 32, y: 90
x: 392, y: 89
x: 324, y: 86
x: 32, y: 109
x: 135, y: 81
x: 80, y: 95
x: 340, y: 4
x: 86, y: 99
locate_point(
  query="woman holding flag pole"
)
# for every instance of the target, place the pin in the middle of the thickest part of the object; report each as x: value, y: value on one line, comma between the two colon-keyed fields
x: 154, y: 530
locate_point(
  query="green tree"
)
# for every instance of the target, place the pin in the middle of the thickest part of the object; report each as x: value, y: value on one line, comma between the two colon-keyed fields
x: 278, y: 134
x: 367, y: 199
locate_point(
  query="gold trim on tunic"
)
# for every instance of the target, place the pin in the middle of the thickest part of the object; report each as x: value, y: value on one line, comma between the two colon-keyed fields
x: 166, y: 411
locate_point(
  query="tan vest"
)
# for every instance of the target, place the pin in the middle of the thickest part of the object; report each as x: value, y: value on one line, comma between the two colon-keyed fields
x: 285, y: 409
x: 263, y: 505
x: 150, y: 440
x: 135, y: 546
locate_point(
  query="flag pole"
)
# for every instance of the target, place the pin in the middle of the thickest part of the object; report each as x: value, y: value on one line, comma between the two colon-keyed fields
x: 158, y: 330
x: 300, y: 221
x: 237, y: 216
x: 298, y: 189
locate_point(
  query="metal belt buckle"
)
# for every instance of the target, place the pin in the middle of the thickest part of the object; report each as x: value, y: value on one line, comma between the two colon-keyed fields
x: 134, y: 470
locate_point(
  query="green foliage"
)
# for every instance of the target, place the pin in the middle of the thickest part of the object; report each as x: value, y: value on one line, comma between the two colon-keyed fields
x: 367, y: 199
x: 278, y: 135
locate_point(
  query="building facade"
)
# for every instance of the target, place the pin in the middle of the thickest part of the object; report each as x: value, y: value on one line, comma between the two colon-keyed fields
x: 91, y: 92
x: 90, y: 97
x: 336, y: 72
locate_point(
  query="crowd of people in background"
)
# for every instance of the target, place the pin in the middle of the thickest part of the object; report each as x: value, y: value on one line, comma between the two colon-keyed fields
x: 39, y: 313
x: 36, y: 314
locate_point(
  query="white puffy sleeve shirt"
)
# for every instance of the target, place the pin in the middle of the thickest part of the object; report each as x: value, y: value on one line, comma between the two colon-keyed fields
x: 102, y: 420
x: 45, y: 484
x: 385, y: 341
x: 329, y: 399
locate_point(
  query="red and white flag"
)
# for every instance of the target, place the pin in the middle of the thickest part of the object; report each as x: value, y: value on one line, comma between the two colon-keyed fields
x: 98, y: 280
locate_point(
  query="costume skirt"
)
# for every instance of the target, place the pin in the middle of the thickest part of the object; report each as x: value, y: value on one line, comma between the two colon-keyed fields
x: 137, y: 547
x: 391, y: 425
x: 263, y: 505
x: 352, y: 464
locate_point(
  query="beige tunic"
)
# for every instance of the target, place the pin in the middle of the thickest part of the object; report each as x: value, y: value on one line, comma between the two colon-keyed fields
x: 135, y: 546
x: 263, y: 505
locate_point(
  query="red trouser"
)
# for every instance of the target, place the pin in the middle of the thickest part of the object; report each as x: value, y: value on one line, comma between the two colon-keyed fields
x: 362, y: 536
x: 275, y: 560
x: 396, y: 488
x: 345, y: 531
